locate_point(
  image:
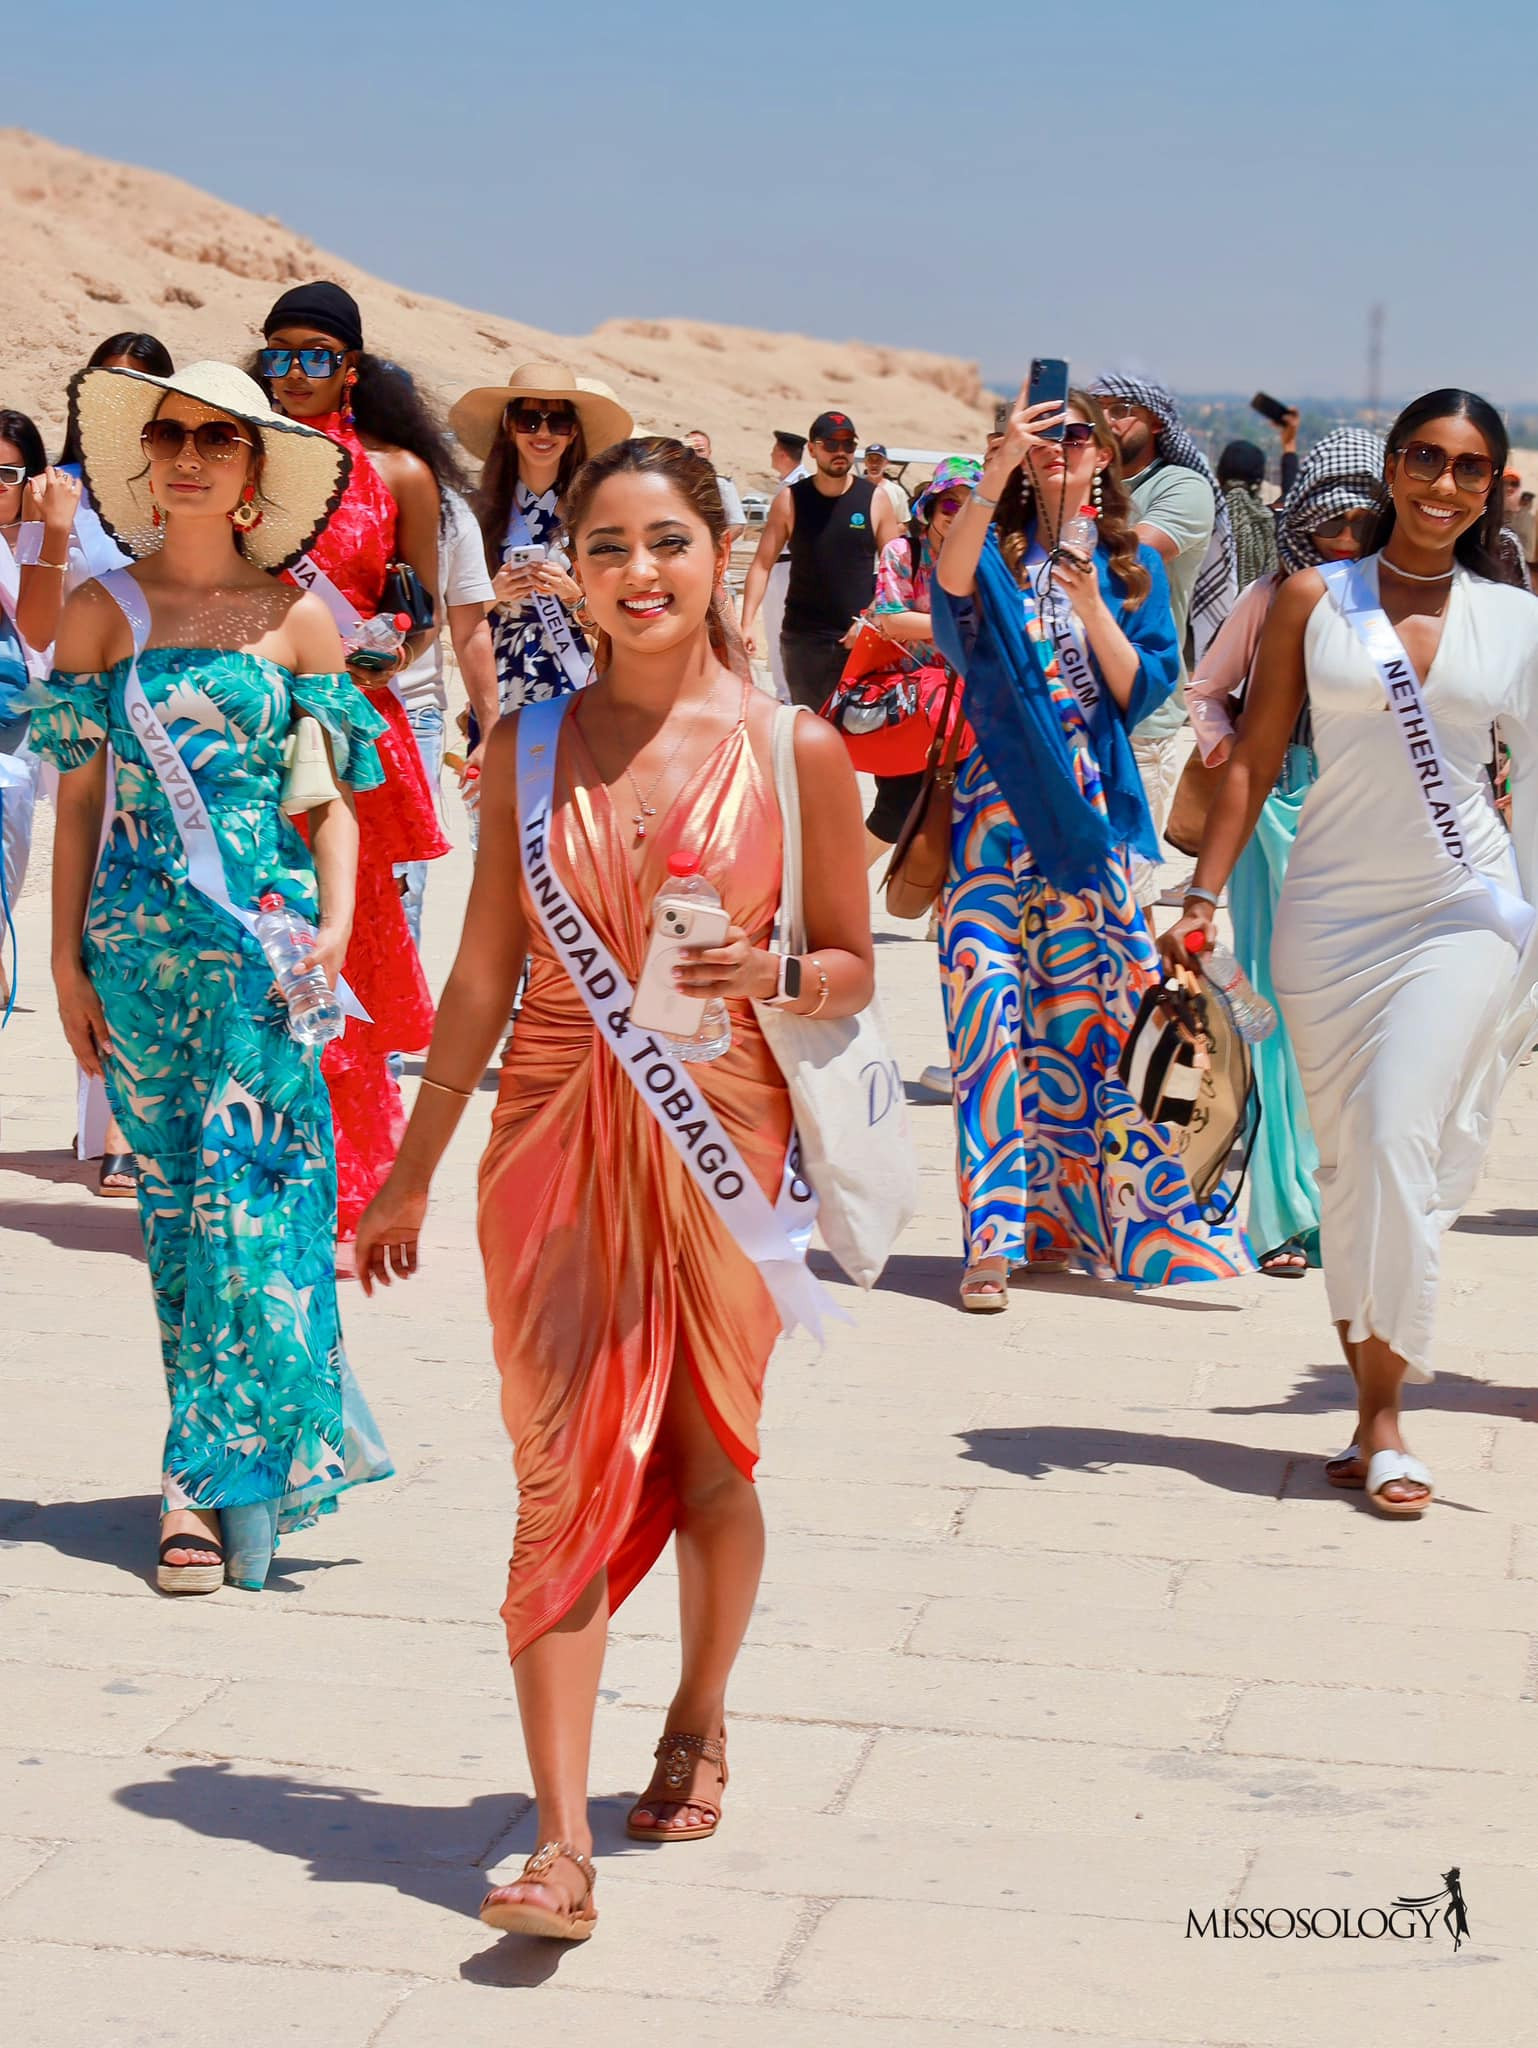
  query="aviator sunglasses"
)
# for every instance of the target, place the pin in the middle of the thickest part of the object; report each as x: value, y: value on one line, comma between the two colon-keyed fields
x: 528, y: 419
x: 214, y: 440
x: 1424, y: 462
x: 316, y: 363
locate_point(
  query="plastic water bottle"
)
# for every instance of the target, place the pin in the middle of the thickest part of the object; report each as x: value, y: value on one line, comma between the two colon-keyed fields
x: 314, y: 1014
x: 1080, y: 533
x: 1254, y: 1018
x: 685, y: 884
x: 375, y: 642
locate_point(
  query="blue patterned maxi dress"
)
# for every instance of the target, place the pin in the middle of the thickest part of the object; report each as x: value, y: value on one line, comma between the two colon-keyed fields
x: 224, y: 1109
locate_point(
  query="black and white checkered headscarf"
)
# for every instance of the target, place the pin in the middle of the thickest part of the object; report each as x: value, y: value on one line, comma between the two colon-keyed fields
x: 1341, y: 473
x: 1217, y: 580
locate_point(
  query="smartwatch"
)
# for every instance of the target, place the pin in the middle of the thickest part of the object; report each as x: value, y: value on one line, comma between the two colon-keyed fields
x: 789, y: 987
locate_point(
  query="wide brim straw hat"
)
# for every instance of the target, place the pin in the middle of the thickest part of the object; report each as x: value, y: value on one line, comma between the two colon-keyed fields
x: 477, y: 417
x: 303, y: 471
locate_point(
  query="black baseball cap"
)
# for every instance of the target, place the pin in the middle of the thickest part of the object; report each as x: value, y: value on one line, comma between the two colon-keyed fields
x: 828, y: 424
x: 875, y: 448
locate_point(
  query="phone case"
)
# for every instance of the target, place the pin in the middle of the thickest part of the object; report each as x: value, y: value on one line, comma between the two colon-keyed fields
x: 1048, y: 380
x: 524, y: 557
x: 658, y: 1005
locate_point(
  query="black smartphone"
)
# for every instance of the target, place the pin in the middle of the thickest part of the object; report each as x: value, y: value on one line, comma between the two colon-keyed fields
x: 1269, y: 408
x: 1048, y: 385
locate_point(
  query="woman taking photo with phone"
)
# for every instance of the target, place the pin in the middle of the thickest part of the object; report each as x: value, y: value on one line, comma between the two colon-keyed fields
x: 315, y: 365
x: 193, y: 666
x: 1403, y: 952
x: 1065, y: 646
x: 1327, y: 516
x: 632, y: 1330
x: 533, y: 434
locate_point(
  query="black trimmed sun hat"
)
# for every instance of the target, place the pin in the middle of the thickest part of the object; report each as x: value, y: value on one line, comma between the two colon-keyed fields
x: 303, y: 471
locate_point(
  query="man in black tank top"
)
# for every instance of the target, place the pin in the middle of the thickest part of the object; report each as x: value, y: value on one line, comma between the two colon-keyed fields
x: 834, y: 525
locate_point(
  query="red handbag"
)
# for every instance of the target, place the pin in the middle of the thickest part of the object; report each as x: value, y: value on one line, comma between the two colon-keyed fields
x: 889, y: 710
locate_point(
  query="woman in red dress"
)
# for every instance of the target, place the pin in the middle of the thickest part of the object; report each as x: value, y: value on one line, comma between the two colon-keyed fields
x: 317, y: 371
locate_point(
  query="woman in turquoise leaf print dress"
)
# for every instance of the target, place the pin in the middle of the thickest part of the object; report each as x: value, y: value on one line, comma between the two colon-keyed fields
x: 164, y: 992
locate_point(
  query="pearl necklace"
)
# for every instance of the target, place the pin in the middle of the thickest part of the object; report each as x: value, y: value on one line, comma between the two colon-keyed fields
x: 1409, y: 575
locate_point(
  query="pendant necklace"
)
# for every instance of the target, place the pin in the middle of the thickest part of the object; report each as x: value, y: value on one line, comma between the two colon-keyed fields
x: 645, y: 808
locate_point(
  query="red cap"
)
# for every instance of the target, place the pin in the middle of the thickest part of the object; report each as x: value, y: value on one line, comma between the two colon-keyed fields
x: 271, y: 901
x: 682, y: 864
x: 401, y: 622
x: 1196, y: 942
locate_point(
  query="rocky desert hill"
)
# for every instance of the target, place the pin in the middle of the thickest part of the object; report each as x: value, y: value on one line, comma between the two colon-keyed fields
x: 93, y: 247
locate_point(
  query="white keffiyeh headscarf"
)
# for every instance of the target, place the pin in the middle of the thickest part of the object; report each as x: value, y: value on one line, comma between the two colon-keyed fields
x: 1217, y: 580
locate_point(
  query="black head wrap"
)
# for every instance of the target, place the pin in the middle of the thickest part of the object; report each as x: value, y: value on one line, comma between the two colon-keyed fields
x: 1241, y: 463
x: 323, y: 306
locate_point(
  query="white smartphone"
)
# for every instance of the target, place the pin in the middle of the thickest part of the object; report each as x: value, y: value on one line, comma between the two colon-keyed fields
x: 659, y: 1005
x: 524, y: 557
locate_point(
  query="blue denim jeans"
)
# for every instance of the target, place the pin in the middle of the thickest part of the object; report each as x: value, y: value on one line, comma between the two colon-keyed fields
x: 426, y: 721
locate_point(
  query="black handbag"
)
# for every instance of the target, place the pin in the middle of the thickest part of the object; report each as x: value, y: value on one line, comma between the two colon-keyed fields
x: 404, y: 591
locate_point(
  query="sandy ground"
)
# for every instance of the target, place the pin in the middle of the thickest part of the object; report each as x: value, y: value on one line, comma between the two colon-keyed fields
x: 1062, y: 1635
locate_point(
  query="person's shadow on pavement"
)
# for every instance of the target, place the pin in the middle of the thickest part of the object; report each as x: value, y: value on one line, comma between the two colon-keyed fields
x: 121, y: 1533
x: 439, y: 1854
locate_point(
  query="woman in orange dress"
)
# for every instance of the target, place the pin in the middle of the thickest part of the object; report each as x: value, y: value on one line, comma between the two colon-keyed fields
x: 631, y: 1330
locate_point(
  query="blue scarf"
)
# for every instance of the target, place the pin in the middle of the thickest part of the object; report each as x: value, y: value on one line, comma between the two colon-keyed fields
x: 1019, y: 728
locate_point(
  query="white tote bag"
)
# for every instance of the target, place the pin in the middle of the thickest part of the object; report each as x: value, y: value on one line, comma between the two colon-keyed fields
x: 845, y: 1088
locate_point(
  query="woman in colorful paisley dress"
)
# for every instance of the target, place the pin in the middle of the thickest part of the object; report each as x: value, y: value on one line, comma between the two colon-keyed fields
x: 1044, y: 952
x: 318, y: 371
x: 162, y: 991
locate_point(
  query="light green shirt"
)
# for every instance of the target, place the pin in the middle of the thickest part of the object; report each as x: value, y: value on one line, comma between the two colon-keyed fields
x: 1180, y: 503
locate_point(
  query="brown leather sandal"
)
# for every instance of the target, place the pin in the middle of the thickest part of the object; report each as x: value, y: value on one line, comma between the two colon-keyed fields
x: 678, y: 1759
x: 522, y: 1916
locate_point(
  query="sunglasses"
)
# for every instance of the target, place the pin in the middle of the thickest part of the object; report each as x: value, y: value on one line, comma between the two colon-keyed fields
x: 1118, y: 408
x: 318, y: 363
x: 844, y: 443
x: 951, y: 502
x: 1424, y: 462
x: 1343, y: 523
x: 528, y: 419
x: 214, y: 440
x: 13, y: 472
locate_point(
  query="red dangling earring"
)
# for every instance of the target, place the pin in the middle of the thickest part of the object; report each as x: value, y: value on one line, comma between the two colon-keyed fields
x: 157, y: 517
x: 347, y: 419
x: 247, y: 515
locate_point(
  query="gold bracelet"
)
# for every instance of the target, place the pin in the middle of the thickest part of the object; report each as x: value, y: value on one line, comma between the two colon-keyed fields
x: 443, y: 1088
x: 822, y: 976
x: 40, y: 564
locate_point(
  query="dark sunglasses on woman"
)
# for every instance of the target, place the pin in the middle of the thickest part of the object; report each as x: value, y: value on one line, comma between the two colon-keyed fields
x: 528, y: 419
x: 13, y: 472
x: 1424, y: 462
x: 316, y: 363
x: 214, y: 440
x: 1343, y: 523
x: 951, y: 502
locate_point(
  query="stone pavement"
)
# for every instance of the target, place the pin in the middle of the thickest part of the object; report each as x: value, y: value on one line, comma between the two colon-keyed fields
x: 1062, y: 1635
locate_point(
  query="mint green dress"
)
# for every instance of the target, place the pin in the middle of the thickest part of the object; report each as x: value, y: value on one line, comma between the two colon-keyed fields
x: 225, y: 1111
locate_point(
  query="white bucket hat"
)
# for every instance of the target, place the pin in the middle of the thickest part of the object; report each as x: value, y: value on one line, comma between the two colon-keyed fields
x: 477, y: 417
x: 303, y: 472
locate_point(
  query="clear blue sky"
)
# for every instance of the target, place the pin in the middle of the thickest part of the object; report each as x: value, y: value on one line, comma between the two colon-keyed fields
x: 1215, y: 189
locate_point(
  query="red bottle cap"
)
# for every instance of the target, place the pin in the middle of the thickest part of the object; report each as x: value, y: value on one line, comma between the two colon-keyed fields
x: 1196, y: 942
x: 682, y: 864
x: 271, y: 901
x: 401, y: 621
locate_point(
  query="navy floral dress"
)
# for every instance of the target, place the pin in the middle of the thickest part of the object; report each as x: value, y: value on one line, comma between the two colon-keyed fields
x: 529, y: 670
x: 224, y: 1109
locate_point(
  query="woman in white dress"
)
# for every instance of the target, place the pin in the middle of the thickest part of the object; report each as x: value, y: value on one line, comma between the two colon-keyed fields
x: 1403, y: 952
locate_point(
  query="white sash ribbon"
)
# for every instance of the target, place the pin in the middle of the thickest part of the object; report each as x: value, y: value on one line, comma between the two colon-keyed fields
x: 309, y: 575
x: 1062, y: 624
x: 194, y: 827
x: 776, y: 1238
x: 554, y: 625
x: 1353, y: 597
